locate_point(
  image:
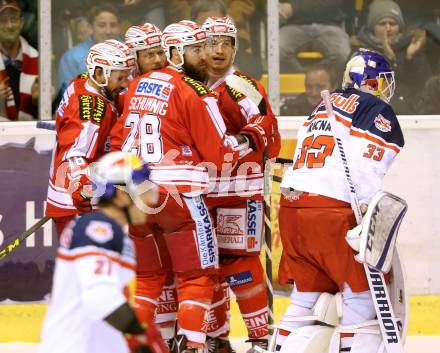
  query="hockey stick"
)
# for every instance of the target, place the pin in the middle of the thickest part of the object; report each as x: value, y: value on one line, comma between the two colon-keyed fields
x: 268, y: 240
x: 13, y: 245
x: 244, y: 87
x: 387, y: 321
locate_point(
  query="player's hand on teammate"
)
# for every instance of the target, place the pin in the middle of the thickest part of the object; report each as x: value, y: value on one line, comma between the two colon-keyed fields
x: 259, y: 130
x: 82, y: 194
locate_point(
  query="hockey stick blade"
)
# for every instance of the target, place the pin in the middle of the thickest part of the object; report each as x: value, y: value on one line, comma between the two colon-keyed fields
x: 244, y: 87
x: 13, y: 245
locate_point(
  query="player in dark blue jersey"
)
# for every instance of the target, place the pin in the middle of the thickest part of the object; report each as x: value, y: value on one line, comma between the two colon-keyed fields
x: 89, y: 310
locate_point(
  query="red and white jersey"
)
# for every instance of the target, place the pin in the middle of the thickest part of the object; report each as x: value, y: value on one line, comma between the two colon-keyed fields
x: 173, y: 123
x: 83, y: 122
x: 247, y: 177
x: 371, y: 137
x: 94, y: 265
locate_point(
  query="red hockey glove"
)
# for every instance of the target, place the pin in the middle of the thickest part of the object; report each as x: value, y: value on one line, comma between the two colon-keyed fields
x: 150, y: 341
x: 259, y: 131
x: 82, y: 193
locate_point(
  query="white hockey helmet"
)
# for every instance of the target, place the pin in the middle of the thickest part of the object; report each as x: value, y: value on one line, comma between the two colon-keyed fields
x: 142, y: 37
x: 118, y: 168
x: 179, y: 35
x: 109, y: 55
x: 220, y: 26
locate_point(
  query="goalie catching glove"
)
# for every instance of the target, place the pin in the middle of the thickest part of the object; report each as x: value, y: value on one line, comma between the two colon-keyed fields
x: 260, y: 131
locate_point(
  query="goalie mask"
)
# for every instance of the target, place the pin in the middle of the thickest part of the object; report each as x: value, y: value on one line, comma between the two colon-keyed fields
x: 368, y: 71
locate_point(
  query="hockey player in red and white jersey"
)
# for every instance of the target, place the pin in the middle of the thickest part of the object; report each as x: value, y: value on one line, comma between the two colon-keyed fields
x: 144, y: 43
x: 84, y: 119
x: 315, y: 212
x: 237, y: 197
x: 89, y: 311
x: 172, y: 121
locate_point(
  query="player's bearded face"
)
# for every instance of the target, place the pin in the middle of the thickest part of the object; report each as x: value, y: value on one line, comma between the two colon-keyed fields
x: 195, y: 62
x: 117, y: 82
x: 151, y: 59
x: 219, y: 53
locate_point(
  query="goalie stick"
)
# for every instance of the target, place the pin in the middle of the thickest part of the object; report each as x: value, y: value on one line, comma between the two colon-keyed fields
x: 385, y: 314
x: 244, y: 87
x: 14, y: 244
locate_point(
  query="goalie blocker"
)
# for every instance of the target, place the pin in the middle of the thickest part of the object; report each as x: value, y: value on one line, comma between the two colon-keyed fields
x: 375, y: 238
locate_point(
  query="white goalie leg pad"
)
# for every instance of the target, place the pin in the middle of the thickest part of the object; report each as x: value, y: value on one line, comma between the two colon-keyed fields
x: 366, y: 338
x: 308, y: 339
x: 375, y: 238
x: 313, y: 310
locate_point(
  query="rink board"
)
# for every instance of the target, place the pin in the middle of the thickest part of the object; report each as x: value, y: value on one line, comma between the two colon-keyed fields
x: 22, y: 323
x: 414, y: 176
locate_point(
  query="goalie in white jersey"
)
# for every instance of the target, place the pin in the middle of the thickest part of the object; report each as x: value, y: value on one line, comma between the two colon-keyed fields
x: 315, y: 212
x: 89, y: 310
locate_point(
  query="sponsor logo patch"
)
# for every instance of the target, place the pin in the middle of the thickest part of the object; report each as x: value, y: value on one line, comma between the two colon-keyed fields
x: 197, y: 86
x: 154, y: 88
x: 382, y: 124
x: 99, y: 231
x: 205, y: 235
x: 186, y: 151
x: 91, y: 108
x: 254, y: 229
x: 99, y: 110
x: 85, y: 106
x: 239, y: 279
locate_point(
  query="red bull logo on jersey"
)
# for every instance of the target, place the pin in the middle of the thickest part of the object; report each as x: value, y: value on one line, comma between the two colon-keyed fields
x: 346, y: 104
x: 155, y: 88
x: 382, y: 124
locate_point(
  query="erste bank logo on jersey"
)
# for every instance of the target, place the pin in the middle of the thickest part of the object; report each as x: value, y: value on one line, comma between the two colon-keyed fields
x: 155, y: 88
x: 382, y: 124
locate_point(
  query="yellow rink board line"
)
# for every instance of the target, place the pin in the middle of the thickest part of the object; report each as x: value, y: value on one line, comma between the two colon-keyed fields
x: 22, y: 322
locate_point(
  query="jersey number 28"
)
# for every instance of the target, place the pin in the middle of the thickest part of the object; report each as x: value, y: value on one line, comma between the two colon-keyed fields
x: 144, y: 138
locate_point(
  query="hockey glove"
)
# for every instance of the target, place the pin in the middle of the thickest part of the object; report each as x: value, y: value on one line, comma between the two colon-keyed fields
x: 82, y: 194
x: 258, y: 130
x: 150, y: 341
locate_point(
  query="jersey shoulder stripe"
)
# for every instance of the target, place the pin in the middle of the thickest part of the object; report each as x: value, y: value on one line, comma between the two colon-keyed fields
x: 199, y: 88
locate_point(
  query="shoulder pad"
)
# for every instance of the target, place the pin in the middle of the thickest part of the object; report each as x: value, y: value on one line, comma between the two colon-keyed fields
x: 91, y: 107
x: 198, y: 87
x: 95, y: 229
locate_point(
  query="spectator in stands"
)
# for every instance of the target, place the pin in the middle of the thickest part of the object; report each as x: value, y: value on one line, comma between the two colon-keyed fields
x: 318, y: 78
x: 428, y: 101
x: 312, y: 26
x: 239, y: 10
x: 385, y: 33
x: 18, y: 67
x: 105, y: 25
x: 200, y: 10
